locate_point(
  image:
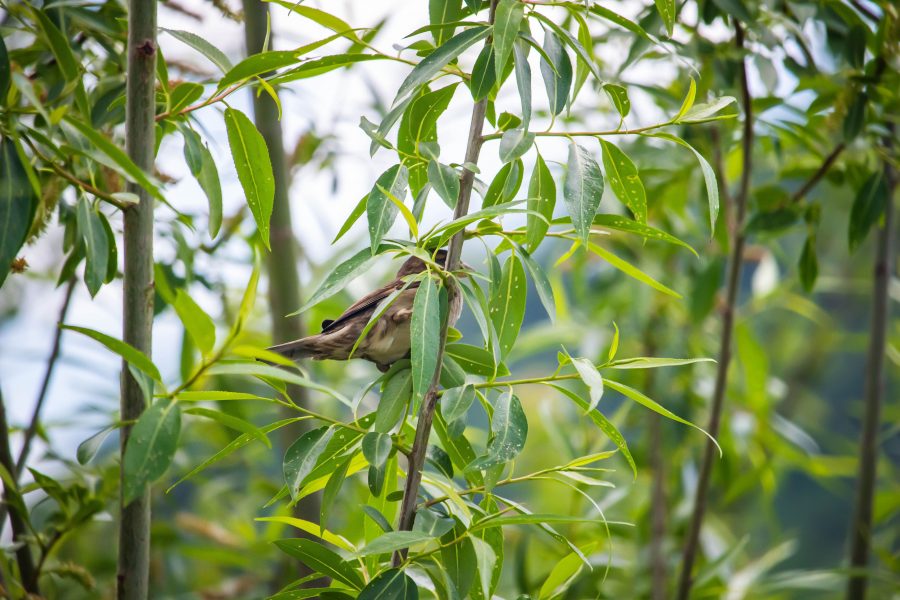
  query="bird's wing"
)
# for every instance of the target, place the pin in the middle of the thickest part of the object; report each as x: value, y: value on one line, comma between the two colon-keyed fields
x: 366, y: 303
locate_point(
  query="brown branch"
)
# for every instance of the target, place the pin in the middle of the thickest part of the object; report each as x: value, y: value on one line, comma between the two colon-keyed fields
x: 819, y: 174
x: 725, y: 348
x: 426, y: 413
x: 875, y: 384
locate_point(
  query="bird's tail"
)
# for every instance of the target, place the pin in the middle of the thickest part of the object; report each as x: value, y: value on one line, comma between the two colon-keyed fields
x: 302, y: 348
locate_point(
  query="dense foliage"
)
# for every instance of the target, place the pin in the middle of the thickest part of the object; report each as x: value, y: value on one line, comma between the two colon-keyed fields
x: 625, y: 164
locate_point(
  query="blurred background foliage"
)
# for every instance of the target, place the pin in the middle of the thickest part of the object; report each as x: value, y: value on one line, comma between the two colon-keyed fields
x: 824, y: 82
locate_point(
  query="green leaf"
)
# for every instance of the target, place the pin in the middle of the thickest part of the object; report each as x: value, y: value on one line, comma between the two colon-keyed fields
x: 424, y: 330
x: 564, y: 573
x: 88, y: 449
x: 184, y: 94
x: 868, y: 206
x: 558, y: 77
x: 352, y: 218
x: 325, y: 19
x: 688, y: 101
x: 541, y: 283
x: 59, y: 46
x: 700, y: 113
x: 111, y: 150
x: 667, y: 9
x: 583, y: 190
x: 476, y: 360
x: 505, y: 185
x: 216, y: 56
x: 393, y: 540
x: 644, y: 400
x: 231, y: 422
x: 332, y: 489
x: 542, y: 200
x: 507, y: 19
x: 507, y: 303
x: 623, y: 178
x: 536, y: 518
x: 380, y: 210
x: 417, y: 129
x: 619, y: 97
x: 855, y: 119
x: 486, y: 559
x: 321, y: 560
x: 96, y: 245
x: 509, y: 428
x: 654, y: 362
x: 319, y: 66
x: 455, y: 402
x: 392, y: 584
x: 630, y: 270
x: 339, y: 277
x: 311, y: 528
x: 300, y: 458
x: 376, y: 447
x: 621, y: 21
x: 203, y: 167
x: 514, y: 143
x: 484, y: 75
x: 523, y: 81
x: 394, y: 400
x: 150, y: 447
x: 627, y: 225
x: 445, y: 181
x: 198, y: 324
x: 809, y: 264
x: 258, y: 64
x: 591, y: 378
x: 254, y: 169
x: 4, y: 72
x: 709, y: 176
x: 437, y: 60
x: 131, y: 354
x: 441, y: 12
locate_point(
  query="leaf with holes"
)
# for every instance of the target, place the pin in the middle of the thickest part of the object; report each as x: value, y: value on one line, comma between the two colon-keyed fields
x: 623, y: 178
x: 301, y: 457
x: 507, y: 303
x: 509, y: 428
x: 254, y: 169
x: 583, y: 189
x: 424, y: 328
x: 541, y: 200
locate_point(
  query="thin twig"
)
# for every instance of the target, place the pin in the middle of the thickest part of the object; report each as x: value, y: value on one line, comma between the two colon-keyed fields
x: 426, y: 412
x: 819, y: 174
x: 45, y: 384
x: 566, y: 134
x: 875, y: 383
x: 725, y: 349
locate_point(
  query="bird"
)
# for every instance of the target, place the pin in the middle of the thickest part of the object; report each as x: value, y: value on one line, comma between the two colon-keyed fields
x: 388, y: 339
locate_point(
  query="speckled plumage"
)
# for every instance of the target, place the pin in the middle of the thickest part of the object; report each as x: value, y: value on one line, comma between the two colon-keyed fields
x: 388, y: 339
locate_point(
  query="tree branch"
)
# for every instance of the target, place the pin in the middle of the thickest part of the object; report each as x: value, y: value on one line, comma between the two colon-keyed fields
x: 426, y: 412
x: 819, y: 174
x: 735, y: 264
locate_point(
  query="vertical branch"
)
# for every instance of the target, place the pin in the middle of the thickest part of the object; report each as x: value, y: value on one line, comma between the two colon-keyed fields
x: 426, y: 413
x: 735, y: 264
x: 658, y: 507
x: 140, y: 107
x: 13, y: 500
x: 875, y: 383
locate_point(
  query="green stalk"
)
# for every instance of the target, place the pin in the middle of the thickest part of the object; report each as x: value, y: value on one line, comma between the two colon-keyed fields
x: 140, y: 107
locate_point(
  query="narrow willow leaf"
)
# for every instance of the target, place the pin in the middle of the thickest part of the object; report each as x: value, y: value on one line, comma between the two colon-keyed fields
x: 254, y: 169
x: 376, y: 447
x: 591, y: 378
x: 322, y: 560
x: 311, y: 528
x: 484, y: 75
x: 576, y: 46
x: 667, y: 10
x: 620, y: 223
x: 17, y: 205
x: 644, y: 400
x: 523, y: 81
x: 302, y: 455
x: 380, y: 210
x: 486, y: 559
x: 418, y: 129
x: 203, y: 167
x: 655, y: 362
x: 868, y: 206
x: 709, y: 176
x: 455, y: 402
x: 437, y: 60
x: 270, y: 374
x: 542, y: 200
x: 119, y: 157
x: 249, y: 298
x: 445, y: 181
x: 319, y: 66
x: 424, y: 330
x: 583, y: 190
x: 257, y: 64
x: 392, y: 584
x: 507, y: 19
x: 505, y: 185
x: 325, y: 19
x: 558, y: 77
x: 131, y: 354
x: 394, y: 400
x: 809, y: 264
x: 184, y: 94
x: 59, y: 46
x: 197, y: 323
x: 621, y: 21
x: 150, y: 448
x: 541, y: 283
x: 509, y: 428
x: 623, y: 178
x: 444, y: 12
x: 352, y: 218
x: 96, y: 245
x: 700, y: 113
x: 216, y: 56
x: 331, y: 491
x: 564, y: 573
x: 630, y: 270
x: 231, y: 422
x: 507, y: 303
x: 339, y: 277
x: 393, y: 540
x: 476, y: 360
x: 88, y: 449
x: 514, y: 143
x: 688, y: 101
x: 618, y: 95
x: 4, y: 71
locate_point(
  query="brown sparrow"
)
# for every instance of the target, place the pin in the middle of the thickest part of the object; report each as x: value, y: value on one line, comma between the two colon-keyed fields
x: 388, y: 339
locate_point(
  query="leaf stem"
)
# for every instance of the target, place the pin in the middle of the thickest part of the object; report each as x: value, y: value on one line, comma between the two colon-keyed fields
x: 569, y: 134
